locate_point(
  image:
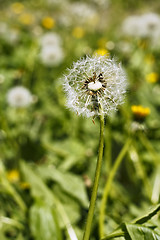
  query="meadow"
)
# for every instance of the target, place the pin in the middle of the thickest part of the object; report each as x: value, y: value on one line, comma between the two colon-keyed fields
x: 49, y: 148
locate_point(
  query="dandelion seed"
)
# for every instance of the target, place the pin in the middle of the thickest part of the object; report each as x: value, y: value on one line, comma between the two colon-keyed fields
x: 19, y: 97
x: 93, y: 81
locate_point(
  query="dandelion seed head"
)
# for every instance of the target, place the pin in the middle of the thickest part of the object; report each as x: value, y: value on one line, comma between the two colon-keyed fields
x: 51, y: 55
x: 10, y: 35
x: 50, y: 39
x: 82, y: 11
x: 95, y: 80
x: 145, y: 25
x: 19, y: 97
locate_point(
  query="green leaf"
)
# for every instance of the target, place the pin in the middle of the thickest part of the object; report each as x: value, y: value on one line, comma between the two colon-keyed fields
x: 38, y: 187
x: 44, y: 223
x: 139, y: 232
x: 7, y: 186
x: 134, y: 230
x: 147, y: 217
x: 71, y: 207
x: 70, y: 183
x: 41, y: 192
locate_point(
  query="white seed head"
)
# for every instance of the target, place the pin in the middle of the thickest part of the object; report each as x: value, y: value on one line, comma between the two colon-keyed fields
x: 19, y: 97
x: 51, y: 55
x: 82, y: 12
x: 51, y: 52
x: 145, y: 25
x: 95, y: 80
x: 50, y: 39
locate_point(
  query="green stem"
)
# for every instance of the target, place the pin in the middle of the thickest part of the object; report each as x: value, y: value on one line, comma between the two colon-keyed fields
x: 108, y: 186
x: 113, y: 235
x: 96, y: 179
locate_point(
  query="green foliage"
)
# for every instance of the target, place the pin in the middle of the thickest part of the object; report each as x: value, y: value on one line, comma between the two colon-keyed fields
x: 68, y: 182
x: 48, y: 154
x: 44, y: 222
x: 137, y: 232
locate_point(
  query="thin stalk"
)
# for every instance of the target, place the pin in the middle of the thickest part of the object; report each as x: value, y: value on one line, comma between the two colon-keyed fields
x: 113, y: 235
x: 96, y: 179
x: 108, y: 186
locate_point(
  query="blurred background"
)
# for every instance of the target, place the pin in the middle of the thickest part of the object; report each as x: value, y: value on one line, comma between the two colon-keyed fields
x: 47, y: 153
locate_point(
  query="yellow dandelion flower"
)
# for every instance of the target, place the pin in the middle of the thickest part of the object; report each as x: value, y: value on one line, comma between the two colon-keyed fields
x: 26, y: 19
x: 48, y: 22
x: 78, y: 32
x: 152, y: 77
x: 17, y: 7
x: 13, y: 176
x: 101, y: 52
x: 140, y: 111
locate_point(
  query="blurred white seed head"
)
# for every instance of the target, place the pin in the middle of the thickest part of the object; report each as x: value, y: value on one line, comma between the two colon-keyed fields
x: 145, y: 25
x: 92, y: 81
x: 50, y: 39
x: 51, y: 52
x: 83, y: 10
x: 151, y: 23
x: 51, y: 55
x: 10, y: 35
x: 130, y: 26
x: 80, y: 13
x: 19, y: 97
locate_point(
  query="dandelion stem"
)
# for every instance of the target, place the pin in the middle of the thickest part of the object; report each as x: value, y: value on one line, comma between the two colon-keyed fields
x: 96, y: 179
x: 108, y: 186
